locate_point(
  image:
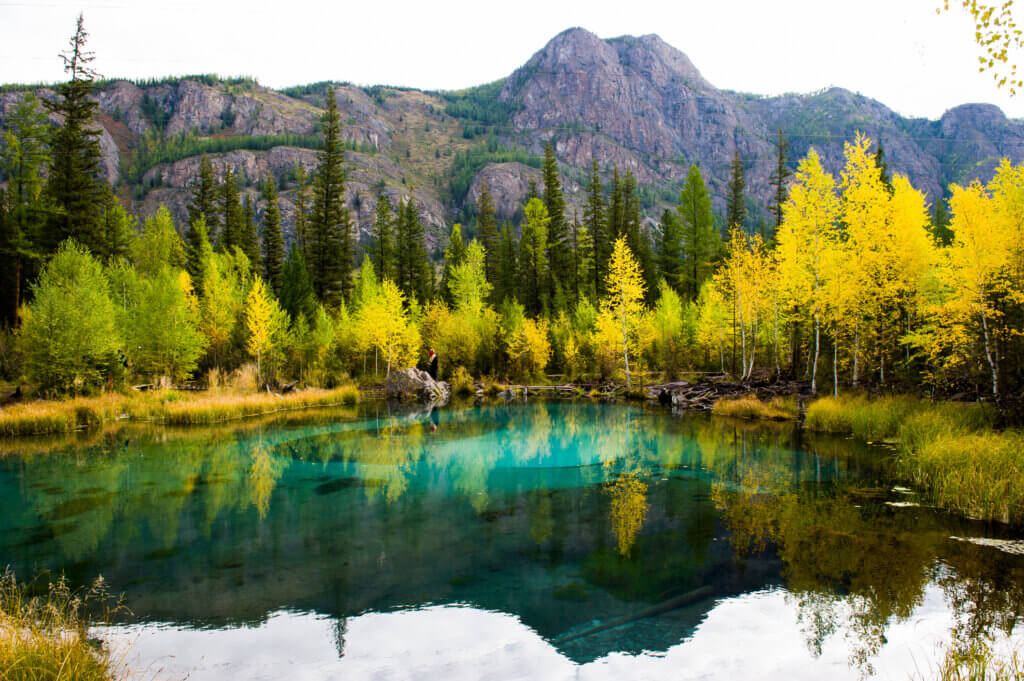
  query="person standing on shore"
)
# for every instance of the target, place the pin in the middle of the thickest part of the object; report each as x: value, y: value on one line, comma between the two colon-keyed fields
x: 432, y: 364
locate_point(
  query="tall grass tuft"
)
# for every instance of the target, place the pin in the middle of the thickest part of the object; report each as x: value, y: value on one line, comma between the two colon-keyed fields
x: 750, y: 407
x: 977, y: 662
x: 949, y: 450
x: 46, y: 637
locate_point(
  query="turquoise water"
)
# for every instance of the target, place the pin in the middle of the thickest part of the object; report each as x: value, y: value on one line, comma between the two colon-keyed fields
x: 541, y: 540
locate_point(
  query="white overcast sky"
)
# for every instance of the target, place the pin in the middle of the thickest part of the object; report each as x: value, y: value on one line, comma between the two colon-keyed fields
x: 900, y: 52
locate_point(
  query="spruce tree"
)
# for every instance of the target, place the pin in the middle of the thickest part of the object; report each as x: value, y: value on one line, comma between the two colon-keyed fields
x: 23, y: 156
x: 778, y: 180
x: 488, y: 230
x: 204, y: 198
x: 415, y: 273
x: 508, y: 268
x: 297, y: 295
x: 736, y: 202
x: 940, y: 229
x: 330, y: 226
x: 273, y: 240
x: 670, y: 250
x: 118, y: 231
x: 615, y: 216
x: 249, y: 237
x: 593, y: 220
x: 75, y: 184
x: 382, y: 247
x: 454, y: 255
x: 883, y: 167
x: 231, y: 212
x: 301, y: 217
x: 559, y: 254
x: 701, y: 243
x: 533, y: 259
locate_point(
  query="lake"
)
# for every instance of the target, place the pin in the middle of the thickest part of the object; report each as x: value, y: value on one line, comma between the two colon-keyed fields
x: 541, y: 540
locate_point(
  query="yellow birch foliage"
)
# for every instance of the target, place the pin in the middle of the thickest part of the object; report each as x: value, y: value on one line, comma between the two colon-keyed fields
x: 624, y: 302
x: 383, y: 323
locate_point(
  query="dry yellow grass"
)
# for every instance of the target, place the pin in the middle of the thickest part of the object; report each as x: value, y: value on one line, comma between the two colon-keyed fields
x: 750, y: 407
x: 168, y: 406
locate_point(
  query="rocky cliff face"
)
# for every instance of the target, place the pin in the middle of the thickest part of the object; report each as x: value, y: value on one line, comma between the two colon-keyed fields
x: 631, y: 102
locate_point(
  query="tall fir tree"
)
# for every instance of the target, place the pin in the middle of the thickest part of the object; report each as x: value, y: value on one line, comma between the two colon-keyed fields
x: 297, y: 295
x: 559, y: 248
x: 205, y: 197
x: 75, y: 184
x: 23, y: 157
x: 118, y: 231
x: 701, y: 243
x: 779, y: 180
x: 939, y: 225
x: 508, y: 267
x: 454, y: 255
x: 301, y: 215
x: 883, y: 167
x: 382, y: 247
x: 487, y: 226
x: 736, y: 202
x: 593, y: 220
x: 533, y: 259
x: 615, y: 215
x: 231, y: 212
x: 248, y: 235
x: 330, y: 226
x: 671, y: 258
x: 415, y: 273
x: 273, y: 240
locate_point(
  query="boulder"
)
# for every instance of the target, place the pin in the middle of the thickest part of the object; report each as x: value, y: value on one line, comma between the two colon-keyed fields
x: 413, y: 385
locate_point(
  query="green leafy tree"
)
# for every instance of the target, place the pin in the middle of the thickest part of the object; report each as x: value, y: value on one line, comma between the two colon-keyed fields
x: 158, y: 245
x: 69, y: 336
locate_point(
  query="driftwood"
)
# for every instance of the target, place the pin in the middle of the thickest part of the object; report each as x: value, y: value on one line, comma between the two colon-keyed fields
x: 703, y: 394
x: 688, y: 598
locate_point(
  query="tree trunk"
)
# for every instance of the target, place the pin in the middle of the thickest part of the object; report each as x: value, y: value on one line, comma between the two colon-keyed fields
x: 817, y: 347
x: 988, y: 355
x: 835, y: 366
x: 856, y: 354
x: 625, y: 346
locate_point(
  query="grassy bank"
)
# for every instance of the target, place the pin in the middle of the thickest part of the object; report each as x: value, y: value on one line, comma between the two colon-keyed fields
x: 949, y: 450
x: 45, y: 637
x: 167, y: 406
x: 750, y: 407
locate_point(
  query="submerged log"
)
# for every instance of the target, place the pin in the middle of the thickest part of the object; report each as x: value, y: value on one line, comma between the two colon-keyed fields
x: 688, y: 598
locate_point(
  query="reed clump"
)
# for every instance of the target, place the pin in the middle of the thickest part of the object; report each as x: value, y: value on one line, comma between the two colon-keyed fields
x: 172, y: 407
x: 750, y: 407
x: 949, y: 450
x: 46, y: 637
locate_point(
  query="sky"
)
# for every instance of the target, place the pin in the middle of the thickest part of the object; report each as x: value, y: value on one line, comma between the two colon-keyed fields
x: 900, y: 52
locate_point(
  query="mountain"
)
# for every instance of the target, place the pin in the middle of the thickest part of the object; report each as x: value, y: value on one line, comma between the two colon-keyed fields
x: 632, y: 102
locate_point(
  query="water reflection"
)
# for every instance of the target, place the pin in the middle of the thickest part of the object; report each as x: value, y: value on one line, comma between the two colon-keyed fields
x: 600, y: 529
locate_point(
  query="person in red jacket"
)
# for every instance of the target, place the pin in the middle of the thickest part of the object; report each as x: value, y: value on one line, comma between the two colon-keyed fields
x: 432, y: 364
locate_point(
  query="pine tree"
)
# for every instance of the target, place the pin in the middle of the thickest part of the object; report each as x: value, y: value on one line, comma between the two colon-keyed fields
x: 736, y: 203
x: 701, y: 243
x: 231, y: 212
x: 273, y: 240
x: 382, y: 247
x: 196, y: 245
x: 297, y: 295
x: 508, y: 268
x: 118, y: 231
x: 330, y: 226
x: 779, y: 179
x: 533, y: 261
x: 593, y: 220
x: 75, y: 183
x: 670, y: 250
x: 454, y: 255
x: 23, y: 155
x: 415, y: 273
x: 583, y: 258
x: 204, y: 198
x: 249, y: 237
x: 488, y: 230
x: 559, y: 254
x: 883, y: 168
x: 301, y: 218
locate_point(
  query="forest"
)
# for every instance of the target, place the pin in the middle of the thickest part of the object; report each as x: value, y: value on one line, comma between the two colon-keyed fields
x: 859, y: 283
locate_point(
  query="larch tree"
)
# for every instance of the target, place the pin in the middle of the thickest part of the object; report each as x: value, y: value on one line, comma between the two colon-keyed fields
x: 700, y: 242
x: 624, y: 302
x: 264, y: 322
x: 809, y: 228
